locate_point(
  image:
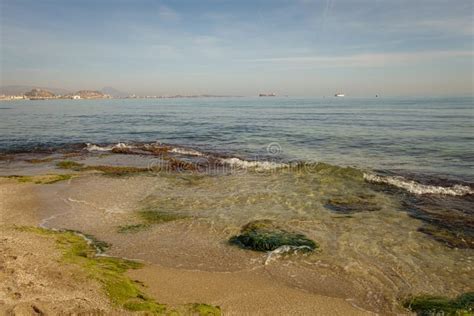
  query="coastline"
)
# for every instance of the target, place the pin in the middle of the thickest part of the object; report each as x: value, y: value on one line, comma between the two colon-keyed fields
x: 167, y: 207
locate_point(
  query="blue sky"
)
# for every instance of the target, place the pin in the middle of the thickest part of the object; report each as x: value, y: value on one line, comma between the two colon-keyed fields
x: 300, y: 47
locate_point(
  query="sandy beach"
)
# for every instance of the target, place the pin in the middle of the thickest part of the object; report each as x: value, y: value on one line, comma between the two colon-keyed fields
x: 34, y: 280
x: 145, y: 229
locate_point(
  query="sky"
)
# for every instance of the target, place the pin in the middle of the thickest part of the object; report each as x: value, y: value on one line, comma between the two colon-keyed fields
x: 299, y: 47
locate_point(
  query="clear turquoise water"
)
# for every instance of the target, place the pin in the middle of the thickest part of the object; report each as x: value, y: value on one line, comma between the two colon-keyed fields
x: 432, y: 136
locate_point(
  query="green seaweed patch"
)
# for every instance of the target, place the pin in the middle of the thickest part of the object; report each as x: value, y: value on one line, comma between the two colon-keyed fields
x: 69, y: 164
x: 132, y: 228
x: 353, y: 204
x: 152, y: 216
x: 107, y: 170
x: 426, y: 305
x: 109, y: 271
x: 40, y: 160
x: 322, y: 168
x: 116, y: 170
x: 451, y: 238
x: 42, y: 179
x: 99, y: 245
x: 204, y: 309
x: 263, y: 235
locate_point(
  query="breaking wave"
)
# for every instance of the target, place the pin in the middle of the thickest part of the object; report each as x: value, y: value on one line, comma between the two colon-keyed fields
x: 92, y: 147
x: 418, y: 188
x: 257, y: 165
x: 189, y: 152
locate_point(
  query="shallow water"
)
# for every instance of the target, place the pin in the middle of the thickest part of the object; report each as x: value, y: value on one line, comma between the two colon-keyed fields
x: 371, y: 251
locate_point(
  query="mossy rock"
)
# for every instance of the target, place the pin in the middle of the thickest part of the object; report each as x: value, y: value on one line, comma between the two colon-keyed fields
x: 427, y: 305
x: 263, y: 235
x: 353, y: 204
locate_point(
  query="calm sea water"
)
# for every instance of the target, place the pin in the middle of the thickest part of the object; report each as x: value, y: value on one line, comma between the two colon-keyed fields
x: 421, y: 135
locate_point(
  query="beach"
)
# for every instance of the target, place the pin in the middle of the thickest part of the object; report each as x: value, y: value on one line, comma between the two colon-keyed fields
x: 363, y: 243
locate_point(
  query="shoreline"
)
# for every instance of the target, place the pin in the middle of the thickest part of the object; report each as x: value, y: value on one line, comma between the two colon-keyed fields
x: 164, y: 284
x: 178, y: 221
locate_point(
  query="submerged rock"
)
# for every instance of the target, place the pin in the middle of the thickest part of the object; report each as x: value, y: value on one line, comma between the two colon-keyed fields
x: 438, y: 305
x: 353, y: 204
x: 263, y: 235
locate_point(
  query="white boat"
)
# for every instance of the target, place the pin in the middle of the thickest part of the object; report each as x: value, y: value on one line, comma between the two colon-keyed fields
x: 339, y: 95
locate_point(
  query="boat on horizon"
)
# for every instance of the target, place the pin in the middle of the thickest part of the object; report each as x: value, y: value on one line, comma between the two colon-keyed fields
x: 339, y: 94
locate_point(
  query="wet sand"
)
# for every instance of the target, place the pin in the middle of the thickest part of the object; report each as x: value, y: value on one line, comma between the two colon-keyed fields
x: 34, y: 280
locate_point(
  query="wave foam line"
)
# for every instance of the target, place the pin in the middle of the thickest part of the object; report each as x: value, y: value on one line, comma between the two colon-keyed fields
x: 92, y: 147
x: 418, y: 188
x: 258, y: 165
x: 189, y: 152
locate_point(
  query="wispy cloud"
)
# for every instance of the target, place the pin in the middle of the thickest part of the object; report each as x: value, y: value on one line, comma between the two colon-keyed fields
x: 364, y: 60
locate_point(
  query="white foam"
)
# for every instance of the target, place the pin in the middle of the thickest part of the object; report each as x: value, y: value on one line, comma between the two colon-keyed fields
x: 189, y: 152
x: 258, y: 165
x: 418, y: 188
x: 282, y: 250
x: 92, y: 147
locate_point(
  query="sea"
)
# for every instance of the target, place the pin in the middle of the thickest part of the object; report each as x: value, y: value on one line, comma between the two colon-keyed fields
x: 384, y: 186
x: 421, y: 136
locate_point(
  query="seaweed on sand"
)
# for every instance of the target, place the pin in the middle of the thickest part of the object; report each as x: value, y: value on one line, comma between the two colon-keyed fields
x: 107, y: 170
x: 111, y: 273
x: 108, y: 271
x: 149, y: 216
x: 69, y: 164
x: 42, y: 179
x: 263, y: 235
x: 132, y: 228
x: 427, y: 305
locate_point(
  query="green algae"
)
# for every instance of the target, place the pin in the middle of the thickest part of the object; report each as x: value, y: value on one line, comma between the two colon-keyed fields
x: 69, y: 164
x: 353, y: 203
x: 132, y: 228
x: 149, y: 215
x: 153, y: 216
x: 107, y: 170
x: 99, y: 245
x: 42, y: 179
x: 40, y: 160
x: 263, y: 235
x: 427, y: 305
x: 110, y: 272
x: 204, y: 309
x: 322, y: 169
x: 450, y: 237
x: 115, y: 170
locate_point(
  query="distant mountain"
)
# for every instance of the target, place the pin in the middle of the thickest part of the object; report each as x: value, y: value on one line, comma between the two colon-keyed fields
x: 39, y: 93
x: 114, y: 92
x: 90, y: 94
x: 20, y: 90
